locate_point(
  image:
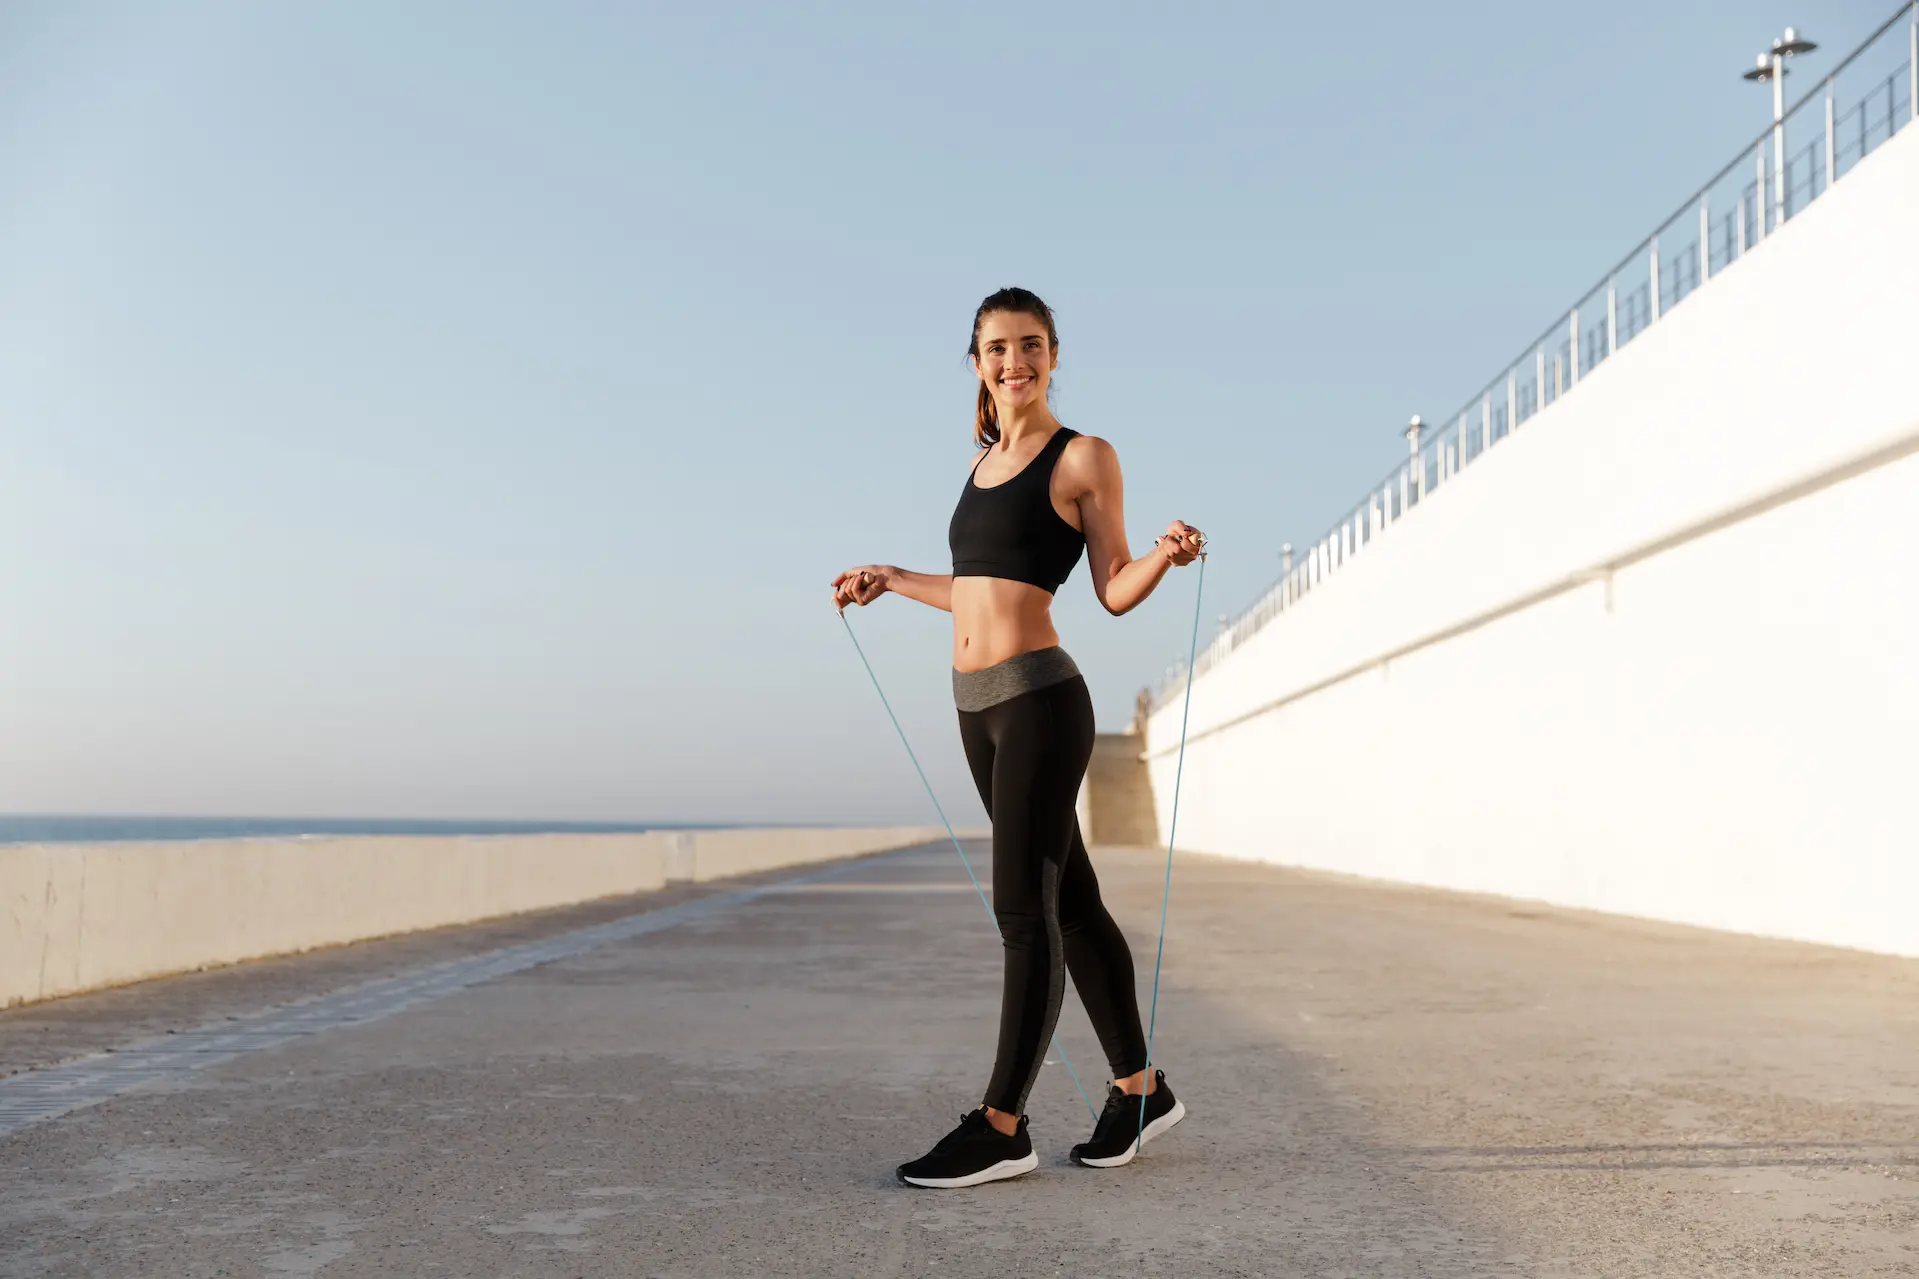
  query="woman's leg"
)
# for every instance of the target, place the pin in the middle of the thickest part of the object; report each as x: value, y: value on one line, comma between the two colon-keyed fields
x: 1041, y: 747
x: 1102, y: 966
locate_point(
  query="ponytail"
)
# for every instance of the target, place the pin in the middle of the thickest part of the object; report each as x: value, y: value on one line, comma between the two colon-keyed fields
x: 985, y: 420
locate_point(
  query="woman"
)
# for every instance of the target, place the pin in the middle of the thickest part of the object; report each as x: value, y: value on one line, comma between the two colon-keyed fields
x: 1037, y: 494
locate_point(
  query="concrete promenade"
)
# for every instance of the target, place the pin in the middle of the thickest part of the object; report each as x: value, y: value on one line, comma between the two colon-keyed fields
x: 1382, y: 1080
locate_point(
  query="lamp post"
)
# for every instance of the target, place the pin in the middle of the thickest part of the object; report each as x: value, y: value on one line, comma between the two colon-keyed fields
x: 1771, y: 68
x: 1413, y: 433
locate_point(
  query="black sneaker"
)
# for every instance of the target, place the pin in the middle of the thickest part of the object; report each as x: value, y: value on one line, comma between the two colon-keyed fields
x: 971, y: 1154
x: 1118, y: 1136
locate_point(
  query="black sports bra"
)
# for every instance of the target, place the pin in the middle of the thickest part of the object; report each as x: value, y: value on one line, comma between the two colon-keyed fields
x: 1011, y: 530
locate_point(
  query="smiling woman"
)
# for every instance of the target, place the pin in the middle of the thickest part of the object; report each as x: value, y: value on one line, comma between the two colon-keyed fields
x: 1037, y: 494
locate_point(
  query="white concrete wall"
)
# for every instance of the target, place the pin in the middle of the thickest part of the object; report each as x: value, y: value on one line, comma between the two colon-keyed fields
x: 77, y: 917
x: 1658, y: 653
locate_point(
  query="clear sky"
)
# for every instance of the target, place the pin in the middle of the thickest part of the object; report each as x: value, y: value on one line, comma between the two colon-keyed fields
x: 458, y: 409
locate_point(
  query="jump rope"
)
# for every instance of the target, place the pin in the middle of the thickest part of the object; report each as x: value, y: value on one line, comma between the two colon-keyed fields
x: 1172, y: 827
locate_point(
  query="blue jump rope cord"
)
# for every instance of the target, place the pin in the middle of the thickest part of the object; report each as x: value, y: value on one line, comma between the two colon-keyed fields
x: 964, y: 860
x: 1172, y: 826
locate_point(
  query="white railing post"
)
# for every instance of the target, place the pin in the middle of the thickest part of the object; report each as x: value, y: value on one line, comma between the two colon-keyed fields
x: 1539, y: 378
x: 1653, y: 289
x: 1486, y: 423
x: 1463, y: 434
x: 1574, y: 347
x: 1759, y: 199
x: 1705, y: 241
x: 1512, y: 401
x: 1612, y: 318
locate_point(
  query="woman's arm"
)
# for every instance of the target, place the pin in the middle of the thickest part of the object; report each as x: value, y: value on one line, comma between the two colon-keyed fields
x: 1120, y: 581
x: 868, y: 582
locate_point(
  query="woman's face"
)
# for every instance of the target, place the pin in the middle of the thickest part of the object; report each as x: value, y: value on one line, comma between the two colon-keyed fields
x: 1015, y: 358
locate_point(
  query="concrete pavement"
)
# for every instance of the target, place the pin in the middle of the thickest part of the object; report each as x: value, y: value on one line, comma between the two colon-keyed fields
x: 1382, y: 1081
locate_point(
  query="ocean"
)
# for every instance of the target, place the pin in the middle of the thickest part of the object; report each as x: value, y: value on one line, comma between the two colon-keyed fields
x: 64, y: 829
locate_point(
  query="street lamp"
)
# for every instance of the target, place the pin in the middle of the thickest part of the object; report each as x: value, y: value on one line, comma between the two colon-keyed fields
x: 1413, y: 432
x: 1771, y: 67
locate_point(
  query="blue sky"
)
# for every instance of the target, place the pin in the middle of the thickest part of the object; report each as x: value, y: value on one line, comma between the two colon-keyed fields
x: 458, y: 409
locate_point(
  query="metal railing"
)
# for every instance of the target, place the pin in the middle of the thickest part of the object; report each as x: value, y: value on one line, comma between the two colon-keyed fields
x: 1731, y: 215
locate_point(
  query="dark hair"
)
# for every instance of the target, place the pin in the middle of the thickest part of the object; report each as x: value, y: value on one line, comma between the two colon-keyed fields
x: 1019, y: 302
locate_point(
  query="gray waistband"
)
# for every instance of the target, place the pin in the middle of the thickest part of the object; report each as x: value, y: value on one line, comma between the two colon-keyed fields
x: 1003, y: 681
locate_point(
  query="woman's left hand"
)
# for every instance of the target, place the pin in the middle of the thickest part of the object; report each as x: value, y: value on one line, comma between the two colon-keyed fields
x: 1181, y: 543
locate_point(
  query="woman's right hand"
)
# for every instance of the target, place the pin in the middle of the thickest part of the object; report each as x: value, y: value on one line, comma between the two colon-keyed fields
x: 861, y: 585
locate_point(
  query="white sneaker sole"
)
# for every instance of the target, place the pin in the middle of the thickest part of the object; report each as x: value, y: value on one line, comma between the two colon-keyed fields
x: 998, y: 1172
x: 1154, y: 1129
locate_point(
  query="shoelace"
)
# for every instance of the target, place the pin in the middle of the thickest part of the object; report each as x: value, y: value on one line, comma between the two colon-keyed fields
x: 970, y: 1122
x: 1119, y: 1110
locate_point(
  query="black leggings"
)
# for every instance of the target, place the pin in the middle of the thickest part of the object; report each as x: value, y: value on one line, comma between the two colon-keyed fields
x: 1027, y: 755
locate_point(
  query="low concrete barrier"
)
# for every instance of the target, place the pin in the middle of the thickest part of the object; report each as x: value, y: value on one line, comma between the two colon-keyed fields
x: 77, y: 917
x: 703, y: 855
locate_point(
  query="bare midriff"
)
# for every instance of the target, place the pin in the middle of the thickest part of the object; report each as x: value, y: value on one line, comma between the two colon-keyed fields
x: 995, y: 618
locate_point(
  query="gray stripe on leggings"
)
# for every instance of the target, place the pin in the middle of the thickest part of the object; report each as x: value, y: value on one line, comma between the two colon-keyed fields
x: 1003, y: 681
x: 1056, y: 974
